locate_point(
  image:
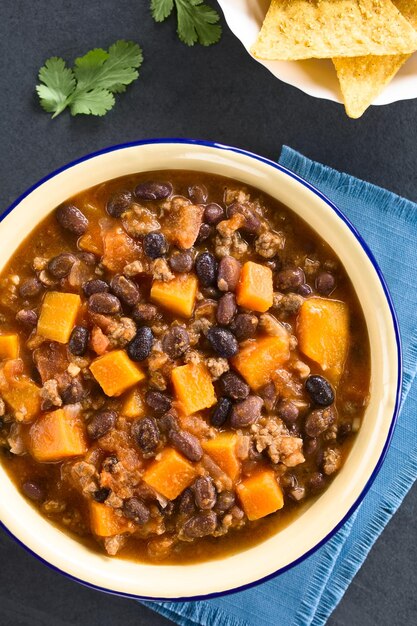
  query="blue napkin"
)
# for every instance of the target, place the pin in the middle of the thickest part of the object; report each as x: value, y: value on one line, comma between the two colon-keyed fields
x: 308, y: 593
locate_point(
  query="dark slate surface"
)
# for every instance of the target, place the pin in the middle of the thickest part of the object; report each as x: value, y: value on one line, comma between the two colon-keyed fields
x: 219, y: 94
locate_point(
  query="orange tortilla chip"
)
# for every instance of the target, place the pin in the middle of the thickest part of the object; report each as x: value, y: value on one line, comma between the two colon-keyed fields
x: 305, y: 29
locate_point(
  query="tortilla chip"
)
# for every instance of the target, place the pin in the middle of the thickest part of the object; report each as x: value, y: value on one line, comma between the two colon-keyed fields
x: 305, y: 29
x: 362, y: 79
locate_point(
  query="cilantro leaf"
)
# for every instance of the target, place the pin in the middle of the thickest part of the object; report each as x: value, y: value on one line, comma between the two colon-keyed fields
x: 58, y: 84
x: 196, y: 21
x: 88, y: 88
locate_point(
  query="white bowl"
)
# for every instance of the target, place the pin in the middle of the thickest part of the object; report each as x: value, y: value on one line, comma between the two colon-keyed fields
x: 315, y: 77
x: 316, y: 524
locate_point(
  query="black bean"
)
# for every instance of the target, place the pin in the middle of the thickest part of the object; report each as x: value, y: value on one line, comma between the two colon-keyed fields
x: 290, y: 279
x: 200, y: 525
x: 187, y: 502
x: 325, y: 283
x: 159, y: 402
x: 141, y: 345
x: 344, y: 431
x: 72, y: 219
x: 221, y: 412
x: 233, y: 386
x: 33, y: 490
x: 27, y: 317
x: 269, y: 395
x: 198, y: 193
x: 78, y: 342
x: 136, y: 510
x: 61, y: 265
x: 30, y: 288
x: 320, y: 390
x: 226, y: 309
x: 95, y: 286
x: 213, y: 213
x: 118, y: 203
x: 175, y: 342
x: 310, y: 446
x: 155, y: 245
x: 244, y: 326
x: 146, y: 434
x: 101, y: 423
x: 288, y: 412
x: 144, y: 312
x: 229, y: 273
x: 316, y: 482
x: 246, y: 412
x: 204, y: 493
x: 319, y: 420
x: 181, y: 262
x: 305, y: 290
x: 73, y: 392
x: 223, y: 342
x: 252, y: 222
x: 104, y: 303
x: 187, y: 444
x: 152, y: 190
x: 225, y: 501
x: 206, y: 269
x: 168, y: 422
x: 204, y: 233
x: 125, y: 290
x: 88, y: 258
x: 101, y: 495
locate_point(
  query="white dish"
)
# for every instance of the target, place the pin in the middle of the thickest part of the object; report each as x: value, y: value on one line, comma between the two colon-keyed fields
x: 324, y: 516
x: 315, y: 77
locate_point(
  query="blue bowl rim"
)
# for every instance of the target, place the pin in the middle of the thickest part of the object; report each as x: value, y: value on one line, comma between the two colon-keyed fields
x: 369, y: 254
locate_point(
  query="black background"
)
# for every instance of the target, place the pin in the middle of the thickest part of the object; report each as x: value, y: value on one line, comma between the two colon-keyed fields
x: 217, y: 93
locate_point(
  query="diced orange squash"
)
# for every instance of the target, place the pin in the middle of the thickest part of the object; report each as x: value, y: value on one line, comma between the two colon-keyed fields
x: 259, y: 358
x: 133, y: 405
x: 56, y: 436
x: 9, y: 346
x: 193, y: 387
x: 92, y: 240
x: 323, y: 334
x: 23, y: 397
x: 255, y: 289
x: 170, y: 474
x: 182, y: 223
x: 222, y: 449
x: 58, y: 315
x: 119, y: 249
x: 116, y: 373
x: 260, y: 495
x: 177, y: 295
x: 105, y: 523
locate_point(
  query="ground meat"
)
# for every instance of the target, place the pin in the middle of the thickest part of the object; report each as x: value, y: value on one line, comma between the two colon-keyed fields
x: 139, y: 221
x: 272, y: 326
x: 113, y: 545
x: 232, y: 245
x: 15, y: 440
x: 311, y: 267
x: 271, y: 435
x: 197, y: 328
x: 287, y: 304
x: 217, y: 367
x: 268, y: 244
x: 332, y: 460
x: 227, y: 228
x: 193, y: 356
x: 84, y: 475
x: 301, y: 368
x: 161, y: 271
x: 49, y: 394
x: 121, y: 332
x: 2, y: 408
x: 134, y: 268
x: 235, y: 195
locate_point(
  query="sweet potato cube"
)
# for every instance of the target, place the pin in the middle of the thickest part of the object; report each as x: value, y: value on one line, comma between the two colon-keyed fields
x: 222, y: 449
x: 177, y: 295
x: 133, y: 405
x: 323, y: 334
x: 23, y: 397
x: 56, y: 436
x: 119, y: 249
x: 58, y: 315
x: 260, y: 495
x: 9, y: 346
x: 182, y: 223
x: 193, y: 387
x: 116, y: 373
x: 105, y: 523
x: 259, y: 358
x: 255, y: 289
x: 171, y: 474
x: 92, y: 240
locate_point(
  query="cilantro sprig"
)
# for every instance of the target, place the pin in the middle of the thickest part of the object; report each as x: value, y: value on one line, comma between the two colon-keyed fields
x: 89, y: 87
x: 196, y: 21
